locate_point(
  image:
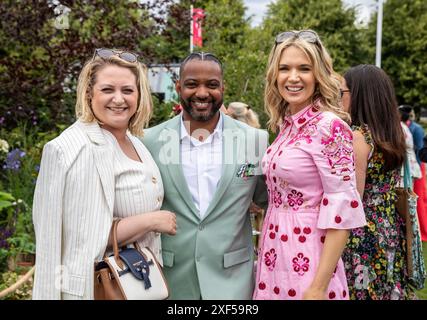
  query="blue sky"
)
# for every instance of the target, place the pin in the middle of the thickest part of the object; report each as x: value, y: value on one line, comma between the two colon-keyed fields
x: 259, y: 7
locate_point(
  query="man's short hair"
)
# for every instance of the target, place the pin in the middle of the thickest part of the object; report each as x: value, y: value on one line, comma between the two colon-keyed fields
x: 203, y: 56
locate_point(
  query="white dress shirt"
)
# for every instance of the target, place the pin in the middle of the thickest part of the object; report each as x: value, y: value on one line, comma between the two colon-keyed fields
x: 202, y: 165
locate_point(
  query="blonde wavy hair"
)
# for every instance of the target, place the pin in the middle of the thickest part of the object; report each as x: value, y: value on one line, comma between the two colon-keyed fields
x: 87, y: 79
x: 243, y: 112
x: 327, y: 81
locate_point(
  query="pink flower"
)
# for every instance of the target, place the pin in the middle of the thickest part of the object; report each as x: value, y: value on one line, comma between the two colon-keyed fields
x: 300, y: 264
x: 270, y: 259
x: 277, y: 198
x: 295, y: 199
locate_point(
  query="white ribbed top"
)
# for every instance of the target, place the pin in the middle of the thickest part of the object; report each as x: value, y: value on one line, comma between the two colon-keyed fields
x: 138, y: 187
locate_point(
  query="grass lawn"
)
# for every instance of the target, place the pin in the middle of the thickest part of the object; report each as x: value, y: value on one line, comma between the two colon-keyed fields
x: 422, y: 294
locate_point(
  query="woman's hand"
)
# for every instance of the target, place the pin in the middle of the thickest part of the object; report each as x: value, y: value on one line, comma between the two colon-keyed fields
x: 164, y: 222
x: 335, y: 240
x: 133, y: 228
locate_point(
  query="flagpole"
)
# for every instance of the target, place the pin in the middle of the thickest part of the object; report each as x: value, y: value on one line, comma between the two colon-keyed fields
x: 191, y: 29
x: 379, y: 33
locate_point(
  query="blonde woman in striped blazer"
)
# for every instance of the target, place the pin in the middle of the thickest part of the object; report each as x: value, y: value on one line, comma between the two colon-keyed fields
x: 95, y: 171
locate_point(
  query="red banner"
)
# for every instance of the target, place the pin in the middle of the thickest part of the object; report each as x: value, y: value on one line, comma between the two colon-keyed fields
x: 197, y: 15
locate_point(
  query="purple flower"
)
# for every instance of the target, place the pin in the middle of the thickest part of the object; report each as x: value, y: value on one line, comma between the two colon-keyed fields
x: 5, y: 233
x: 12, y: 161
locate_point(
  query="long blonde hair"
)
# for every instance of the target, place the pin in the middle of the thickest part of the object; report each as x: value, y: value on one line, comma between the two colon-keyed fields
x: 327, y: 81
x: 87, y: 79
x: 243, y: 112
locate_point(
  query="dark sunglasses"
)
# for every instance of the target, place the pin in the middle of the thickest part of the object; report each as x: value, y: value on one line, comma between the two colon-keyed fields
x: 342, y: 92
x: 307, y: 35
x: 108, y: 53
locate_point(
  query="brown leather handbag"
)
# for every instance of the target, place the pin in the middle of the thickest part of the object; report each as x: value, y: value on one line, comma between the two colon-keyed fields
x: 131, y: 273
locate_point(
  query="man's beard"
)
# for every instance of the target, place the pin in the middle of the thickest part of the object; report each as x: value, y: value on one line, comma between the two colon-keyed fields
x: 216, y: 105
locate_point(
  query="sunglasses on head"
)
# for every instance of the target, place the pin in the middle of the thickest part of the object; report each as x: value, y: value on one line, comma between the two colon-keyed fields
x: 307, y: 35
x: 108, y: 53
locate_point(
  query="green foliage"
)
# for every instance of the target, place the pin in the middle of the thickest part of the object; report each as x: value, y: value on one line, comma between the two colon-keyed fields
x: 422, y: 294
x: 161, y: 112
x: 28, y: 139
x: 7, y: 216
x: 22, y: 240
x: 16, y: 229
x: 335, y: 25
x: 17, y: 188
x: 6, y: 200
x: 404, y: 47
x: 22, y: 293
x: 224, y: 28
x: 40, y: 62
x: 173, y: 44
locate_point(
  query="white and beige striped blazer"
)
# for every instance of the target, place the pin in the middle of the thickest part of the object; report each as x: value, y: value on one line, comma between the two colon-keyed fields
x: 72, y: 212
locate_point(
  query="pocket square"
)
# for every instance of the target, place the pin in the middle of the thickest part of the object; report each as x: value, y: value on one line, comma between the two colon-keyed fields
x: 246, y: 170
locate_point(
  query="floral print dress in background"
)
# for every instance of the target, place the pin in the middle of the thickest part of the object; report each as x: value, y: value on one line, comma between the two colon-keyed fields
x: 374, y: 256
x: 310, y: 178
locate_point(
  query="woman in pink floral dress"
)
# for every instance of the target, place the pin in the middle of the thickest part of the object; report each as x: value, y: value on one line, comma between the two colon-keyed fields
x: 309, y: 168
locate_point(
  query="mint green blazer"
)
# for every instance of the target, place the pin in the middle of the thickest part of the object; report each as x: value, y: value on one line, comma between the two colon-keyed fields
x: 212, y: 257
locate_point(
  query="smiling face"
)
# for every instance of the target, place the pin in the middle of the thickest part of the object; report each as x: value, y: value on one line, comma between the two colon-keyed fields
x: 295, y: 80
x: 114, y: 97
x: 201, y: 90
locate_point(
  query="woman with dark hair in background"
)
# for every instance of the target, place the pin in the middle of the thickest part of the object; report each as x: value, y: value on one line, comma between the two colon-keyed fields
x: 375, y: 255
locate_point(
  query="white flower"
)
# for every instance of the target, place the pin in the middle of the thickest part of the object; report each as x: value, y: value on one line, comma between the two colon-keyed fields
x: 4, y: 146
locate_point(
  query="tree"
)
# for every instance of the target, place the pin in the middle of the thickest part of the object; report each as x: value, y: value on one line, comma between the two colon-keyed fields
x: 226, y: 32
x: 404, y: 47
x: 40, y: 62
x: 334, y: 23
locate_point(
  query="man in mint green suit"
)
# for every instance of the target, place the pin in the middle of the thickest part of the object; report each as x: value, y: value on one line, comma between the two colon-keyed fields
x: 211, y: 171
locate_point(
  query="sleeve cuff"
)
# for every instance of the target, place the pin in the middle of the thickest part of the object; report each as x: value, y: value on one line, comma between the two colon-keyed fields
x: 341, y: 210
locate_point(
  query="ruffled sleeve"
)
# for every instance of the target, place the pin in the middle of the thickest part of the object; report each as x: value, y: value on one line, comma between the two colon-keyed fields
x: 341, y: 206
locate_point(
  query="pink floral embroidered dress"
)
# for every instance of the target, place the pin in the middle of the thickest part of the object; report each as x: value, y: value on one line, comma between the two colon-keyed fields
x: 311, y: 182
